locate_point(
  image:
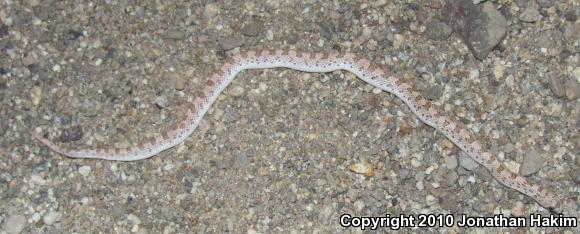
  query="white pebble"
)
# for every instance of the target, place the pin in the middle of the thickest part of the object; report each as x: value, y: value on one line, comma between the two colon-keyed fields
x: 85, y: 170
x: 51, y: 217
x: 168, y: 167
x: 56, y: 68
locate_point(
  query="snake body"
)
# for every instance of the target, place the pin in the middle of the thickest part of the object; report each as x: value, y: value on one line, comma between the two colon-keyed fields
x: 318, y: 62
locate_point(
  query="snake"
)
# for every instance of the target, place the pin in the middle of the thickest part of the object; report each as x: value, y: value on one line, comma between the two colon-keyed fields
x: 317, y: 62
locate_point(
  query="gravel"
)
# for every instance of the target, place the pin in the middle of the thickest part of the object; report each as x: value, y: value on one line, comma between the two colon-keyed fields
x: 273, y: 153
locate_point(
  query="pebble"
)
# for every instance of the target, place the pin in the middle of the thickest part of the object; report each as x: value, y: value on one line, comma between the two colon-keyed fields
x: 325, y: 214
x: 177, y: 80
x: 570, y: 16
x: 498, y: 71
x: 451, y: 162
x: 14, y: 224
x: 433, y: 92
x: 481, y: 27
x: 359, y: 205
x: 229, y: 43
x: 71, y: 134
x: 161, y: 101
x: 572, y: 89
x: 35, y: 95
x: 530, y: 15
x: 292, y: 38
x: 532, y: 163
x: 210, y: 10
x: 51, y: 217
x: 253, y: 29
x: 399, y: 40
x: 437, y: 30
x: 85, y: 170
x: 556, y: 86
x: 576, y: 74
x: 56, y: 68
x: 237, y: 91
x: 363, y: 168
x: 467, y: 162
x: 451, y: 178
x: 419, y: 185
x: 518, y: 209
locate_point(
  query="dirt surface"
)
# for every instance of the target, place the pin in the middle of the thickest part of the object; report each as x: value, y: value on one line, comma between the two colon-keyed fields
x: 273, y: 153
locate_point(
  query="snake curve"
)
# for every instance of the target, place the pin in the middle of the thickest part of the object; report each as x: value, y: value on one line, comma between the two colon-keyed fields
x: 318, y: 62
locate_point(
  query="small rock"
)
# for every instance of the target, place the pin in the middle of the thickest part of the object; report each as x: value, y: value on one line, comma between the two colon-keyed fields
x: 51, y: 217
x: 577, y: 160
x: 419, y: 185
x: 576, y: 74
x: 467, y: 162
x: 292, y: 38
x: 398, y: 41
x: 572, y: 89
x: 35, y: 95
x: 530, y: 15
x: 451, y: 178
x: 85, y: 170
x: 572, y: 32
x: 71, y: 134
x: 518, y: 209
x: 175, y: 35
x: 229, y: 43
x: 405, y: 129
x: 363, y: 168
x: 532, y: 163
x: 14, y: 224
x: 570, y: 16
x: 327, y: 29
x: 433, y: 92
x: 325, y: 214
x: 56, y: 68
x: 29, y: 60
x: 451, y: 162
x: 576, y: 176
x: 210, y: 10
x: 237, y: 91
x: 72, y: 35
x: 178, y: 81
x: 481, y: 28
x: 556, y: 86
x: 253, y: 29
x: 161, y: 101
x: 3, y: 30
x: 498, y: 71
x: 359, y: 205
x: 437, y: 30
x: 404, y: 173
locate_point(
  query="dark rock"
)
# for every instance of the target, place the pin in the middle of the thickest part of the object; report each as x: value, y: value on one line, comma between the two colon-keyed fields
x: 570, y: 16
x: 72, y: 35
x: 71, y: 134
x: 433, y: 92
x: 3, y: 31
x: 481, y: 28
